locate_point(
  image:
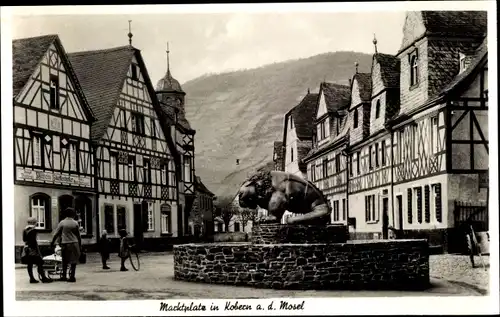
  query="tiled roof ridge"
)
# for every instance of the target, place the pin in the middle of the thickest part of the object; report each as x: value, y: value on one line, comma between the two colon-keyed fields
x: 101, y: 51
x: 34, y: 37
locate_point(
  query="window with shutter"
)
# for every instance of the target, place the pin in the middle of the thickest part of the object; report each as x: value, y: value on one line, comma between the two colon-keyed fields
x: 410, y: 214
x: 121, y: 217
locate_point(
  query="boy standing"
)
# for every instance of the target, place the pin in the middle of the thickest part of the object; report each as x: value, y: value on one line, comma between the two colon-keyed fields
x: 124, y: 252
x: 104, y: 249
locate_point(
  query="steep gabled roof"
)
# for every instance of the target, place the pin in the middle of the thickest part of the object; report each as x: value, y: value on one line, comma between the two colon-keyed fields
x: 455, y: 23
x: 200, y: 187
x: 336, y: 96
x: 389, y: 69
x: 303, y: 116
x: 479, y: 58
x: 27, y: 53
x: 102, y: 74
x: 365, y: 85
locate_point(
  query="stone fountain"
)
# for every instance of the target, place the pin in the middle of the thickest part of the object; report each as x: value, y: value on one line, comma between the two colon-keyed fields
x: 306, y: 253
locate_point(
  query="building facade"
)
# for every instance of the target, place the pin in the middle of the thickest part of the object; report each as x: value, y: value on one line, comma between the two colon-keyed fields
x: 414, y: 137
x: 326, y: 162
x: 53, y: 155
x: 298, y: 135
x: 135, y: 166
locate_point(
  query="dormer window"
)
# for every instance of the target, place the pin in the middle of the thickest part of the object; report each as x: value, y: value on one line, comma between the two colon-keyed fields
x: 463, y: 62
x: 413, y: 58
x: 355, y: 118
x: 54, y: 92
x: 377, y: 109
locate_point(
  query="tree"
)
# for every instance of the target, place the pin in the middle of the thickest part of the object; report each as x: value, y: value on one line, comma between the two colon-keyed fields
x: 225, y: 210
x: 246, y: 215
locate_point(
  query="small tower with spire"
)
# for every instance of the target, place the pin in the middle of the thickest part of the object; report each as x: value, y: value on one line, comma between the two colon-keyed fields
x: 130, y: 32
x: 169, y: 91
x: 375, y: 43
x: 356, y: 64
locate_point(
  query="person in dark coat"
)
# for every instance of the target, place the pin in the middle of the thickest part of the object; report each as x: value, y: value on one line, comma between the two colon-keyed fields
x: 31, y: 254
x: 68, y: 231
x: 104, y: 249
x: 124, y: 252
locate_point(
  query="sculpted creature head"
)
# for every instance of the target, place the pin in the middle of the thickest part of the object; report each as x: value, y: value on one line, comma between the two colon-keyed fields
x: 256, y: 191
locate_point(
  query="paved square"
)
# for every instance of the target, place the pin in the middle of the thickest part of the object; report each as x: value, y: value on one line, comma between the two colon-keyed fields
x: 155, y: 281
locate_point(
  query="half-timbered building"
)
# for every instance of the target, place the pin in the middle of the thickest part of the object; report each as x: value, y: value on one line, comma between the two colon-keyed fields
x: 440, y: 134
x: 370, y: 143
x: 298, y: 133
x: 172, y: 104
x: 326, y: 162
x: 135, y: 170
x: 53, y: 156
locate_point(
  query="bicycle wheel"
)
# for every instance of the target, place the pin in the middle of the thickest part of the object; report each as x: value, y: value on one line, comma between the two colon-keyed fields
x: 135, y: 261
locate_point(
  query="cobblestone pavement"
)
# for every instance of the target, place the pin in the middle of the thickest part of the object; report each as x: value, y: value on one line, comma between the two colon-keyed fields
x: 458, y: 269
x: 155, y: 282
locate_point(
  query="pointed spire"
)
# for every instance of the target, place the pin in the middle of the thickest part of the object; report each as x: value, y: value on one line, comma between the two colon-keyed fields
x: 356, y: 65
x: 375, y: 43
x: 130, y: 32
x: 168, y: 59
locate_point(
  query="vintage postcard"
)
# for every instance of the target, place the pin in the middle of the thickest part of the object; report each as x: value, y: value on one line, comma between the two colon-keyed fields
x: 267, y: 159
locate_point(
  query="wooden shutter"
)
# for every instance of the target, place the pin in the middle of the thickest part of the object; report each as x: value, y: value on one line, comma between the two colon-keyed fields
x: 427, y: 204
x: 419, y: 204
x: 439, y: 213
x: 410, y: 215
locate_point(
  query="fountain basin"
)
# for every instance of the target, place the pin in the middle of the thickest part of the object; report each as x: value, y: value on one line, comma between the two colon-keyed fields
x: 374, y: 264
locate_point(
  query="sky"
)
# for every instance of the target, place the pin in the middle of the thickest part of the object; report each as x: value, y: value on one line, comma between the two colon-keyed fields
x: 219, y: 42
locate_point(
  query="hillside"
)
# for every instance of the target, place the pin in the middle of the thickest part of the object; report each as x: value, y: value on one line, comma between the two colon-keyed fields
x: 238, y: 115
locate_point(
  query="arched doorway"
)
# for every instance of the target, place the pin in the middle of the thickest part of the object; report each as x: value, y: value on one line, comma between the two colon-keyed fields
x: 65, y: 201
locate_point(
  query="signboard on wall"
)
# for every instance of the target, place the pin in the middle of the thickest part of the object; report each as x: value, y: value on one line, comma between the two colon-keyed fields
x: 23, y: 174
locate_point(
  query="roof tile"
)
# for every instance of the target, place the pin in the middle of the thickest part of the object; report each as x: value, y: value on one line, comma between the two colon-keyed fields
x: 389, y: 68
x: 336, y: 96
x: 26, y: 55
x: 101, y: 74
x: 303, y: 116
x: 455, y: 23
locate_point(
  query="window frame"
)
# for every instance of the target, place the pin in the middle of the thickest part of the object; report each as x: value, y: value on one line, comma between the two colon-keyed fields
x: 165, y: 218
x: 134, y: 74
x: 47, y: 215
x: 54, y: 102
x: 383, y: 150
x: 132, y: 169
x: 377, y: 109
x: 355, y: 119
x: 414, y: 68
x: 151, y: 215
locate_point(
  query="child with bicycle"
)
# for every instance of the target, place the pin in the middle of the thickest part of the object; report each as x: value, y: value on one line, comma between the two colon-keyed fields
x: 124, y: 252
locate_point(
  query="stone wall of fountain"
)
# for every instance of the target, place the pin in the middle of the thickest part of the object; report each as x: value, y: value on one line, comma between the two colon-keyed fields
x: 275, y: 259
